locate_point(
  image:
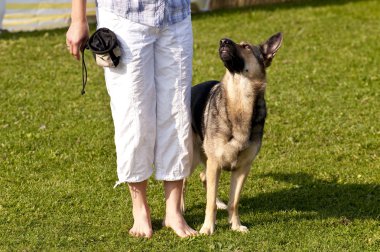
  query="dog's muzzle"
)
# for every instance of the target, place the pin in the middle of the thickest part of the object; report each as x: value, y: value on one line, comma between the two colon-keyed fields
x: 225, y: 49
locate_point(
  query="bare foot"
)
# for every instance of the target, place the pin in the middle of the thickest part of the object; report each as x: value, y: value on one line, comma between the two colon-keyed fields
x: 179, y: 225
x: 174, y: 218
x: 142, y: 226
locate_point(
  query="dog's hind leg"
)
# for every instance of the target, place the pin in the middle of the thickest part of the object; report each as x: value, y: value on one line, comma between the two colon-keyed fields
x: 183, y: 208
x: 212, y: 175
x: 219, y: 203
x: 238, y: 178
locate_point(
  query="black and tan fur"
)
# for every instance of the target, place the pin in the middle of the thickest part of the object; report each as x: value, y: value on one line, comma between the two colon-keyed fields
x: 228, y: 120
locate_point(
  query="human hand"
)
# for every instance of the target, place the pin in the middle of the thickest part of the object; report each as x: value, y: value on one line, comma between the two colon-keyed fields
x: 76, y: 37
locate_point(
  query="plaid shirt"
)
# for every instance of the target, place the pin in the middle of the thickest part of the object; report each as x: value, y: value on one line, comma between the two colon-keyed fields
x: 156, y: 13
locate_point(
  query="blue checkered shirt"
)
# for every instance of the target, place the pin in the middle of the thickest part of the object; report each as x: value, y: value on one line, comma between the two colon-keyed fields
x: 156, y: 13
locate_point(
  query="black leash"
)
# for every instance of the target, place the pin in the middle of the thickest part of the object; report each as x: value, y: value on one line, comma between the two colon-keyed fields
x: 84, y: 73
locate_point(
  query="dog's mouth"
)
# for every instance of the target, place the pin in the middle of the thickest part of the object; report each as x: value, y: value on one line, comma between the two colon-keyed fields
x: 226, y: 49
x: 225, y: 53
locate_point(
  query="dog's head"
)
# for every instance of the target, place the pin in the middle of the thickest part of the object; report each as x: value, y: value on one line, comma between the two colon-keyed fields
x: 249, y: 60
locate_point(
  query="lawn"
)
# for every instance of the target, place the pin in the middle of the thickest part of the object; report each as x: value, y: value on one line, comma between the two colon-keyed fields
x: 315, y: 185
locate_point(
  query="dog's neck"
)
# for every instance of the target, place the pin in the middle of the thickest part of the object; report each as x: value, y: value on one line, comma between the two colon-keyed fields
x: 242, y: 91
x: 241, y: 94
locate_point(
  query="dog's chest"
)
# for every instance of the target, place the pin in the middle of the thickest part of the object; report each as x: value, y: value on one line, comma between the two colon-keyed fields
x: 240, y: 101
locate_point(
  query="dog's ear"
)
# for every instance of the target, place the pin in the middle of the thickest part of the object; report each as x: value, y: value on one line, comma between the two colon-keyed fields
x: 270, y: 47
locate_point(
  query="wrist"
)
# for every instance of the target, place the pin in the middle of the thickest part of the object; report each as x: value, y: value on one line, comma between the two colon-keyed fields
x: 79, y: 21
x: 78, y: 17
x: 78, y: 11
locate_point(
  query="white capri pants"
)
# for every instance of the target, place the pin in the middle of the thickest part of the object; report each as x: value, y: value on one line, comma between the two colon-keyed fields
x: 150, y: 93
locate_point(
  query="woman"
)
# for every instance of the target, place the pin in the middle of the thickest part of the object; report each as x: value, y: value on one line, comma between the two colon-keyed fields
x: 150, y: 98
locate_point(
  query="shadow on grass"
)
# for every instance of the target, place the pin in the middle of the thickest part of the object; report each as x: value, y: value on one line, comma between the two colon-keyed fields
x: 323, y: 198
x: 311, y: 198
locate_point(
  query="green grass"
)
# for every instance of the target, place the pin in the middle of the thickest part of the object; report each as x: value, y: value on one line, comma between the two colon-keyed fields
x: 315, y: 185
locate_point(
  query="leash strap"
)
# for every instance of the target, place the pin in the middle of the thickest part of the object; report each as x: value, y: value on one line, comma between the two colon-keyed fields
x: 84, y: 73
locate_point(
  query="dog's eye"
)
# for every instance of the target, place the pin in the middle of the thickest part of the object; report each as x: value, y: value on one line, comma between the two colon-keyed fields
x: 246, y: 46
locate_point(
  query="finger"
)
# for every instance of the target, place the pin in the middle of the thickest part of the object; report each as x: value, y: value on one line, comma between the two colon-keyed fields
x: 70, y: 48
x: 75, y: 51
x: 68, y: 45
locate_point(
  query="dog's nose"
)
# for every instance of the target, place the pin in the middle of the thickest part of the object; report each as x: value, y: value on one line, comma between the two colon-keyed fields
x: 226, y: 41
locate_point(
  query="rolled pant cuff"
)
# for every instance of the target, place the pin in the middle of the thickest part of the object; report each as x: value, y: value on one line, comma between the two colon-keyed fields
x: 132, y: 180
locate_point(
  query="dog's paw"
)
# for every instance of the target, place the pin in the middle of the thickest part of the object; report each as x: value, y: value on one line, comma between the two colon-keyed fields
x: 240, y: 228
x: 207, y: 230
x: 220, y: 204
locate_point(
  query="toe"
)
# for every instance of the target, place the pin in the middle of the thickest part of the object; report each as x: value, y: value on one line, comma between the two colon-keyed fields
x: 148, y: 234
x: 190, y: 232
x: 181, y: 233
x: 132, y: 233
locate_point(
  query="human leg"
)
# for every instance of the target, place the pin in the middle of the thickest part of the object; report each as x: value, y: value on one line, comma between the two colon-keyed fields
x: 132, y: 93
x: 173, y: 216
x: 142, y: 226
x: 173, y: 157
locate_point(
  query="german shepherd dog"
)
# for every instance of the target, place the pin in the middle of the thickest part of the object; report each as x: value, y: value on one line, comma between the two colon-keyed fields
x: 228, y: 120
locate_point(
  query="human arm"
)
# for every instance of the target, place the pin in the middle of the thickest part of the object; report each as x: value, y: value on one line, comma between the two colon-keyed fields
x: 78, y: 31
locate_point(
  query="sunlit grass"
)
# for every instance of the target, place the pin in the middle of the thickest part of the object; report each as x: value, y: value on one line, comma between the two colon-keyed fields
x: 314, y: 187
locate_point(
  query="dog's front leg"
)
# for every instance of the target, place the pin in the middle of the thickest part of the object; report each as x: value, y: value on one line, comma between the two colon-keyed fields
x: 219, y: 203
x: 238, y: 178
x: 212, y: 177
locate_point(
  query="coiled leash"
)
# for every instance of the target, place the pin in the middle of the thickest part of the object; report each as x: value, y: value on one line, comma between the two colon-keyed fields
x: 105, y: 49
